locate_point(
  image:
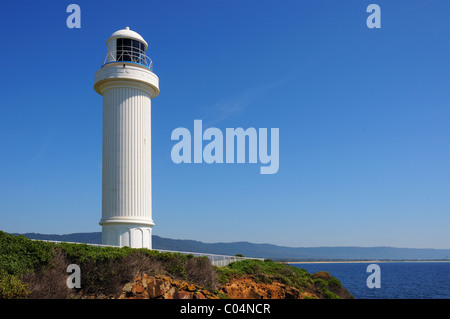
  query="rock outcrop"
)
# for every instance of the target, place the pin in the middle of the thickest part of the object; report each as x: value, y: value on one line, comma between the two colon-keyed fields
x: 248, y: 288
x: 242, y: 287
x: 163, y: 287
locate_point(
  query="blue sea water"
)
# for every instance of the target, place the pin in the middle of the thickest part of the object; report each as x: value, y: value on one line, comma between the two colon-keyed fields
x: 399, y: 280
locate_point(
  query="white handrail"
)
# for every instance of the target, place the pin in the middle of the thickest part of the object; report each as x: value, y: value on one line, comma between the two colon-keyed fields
x: 133, y: 56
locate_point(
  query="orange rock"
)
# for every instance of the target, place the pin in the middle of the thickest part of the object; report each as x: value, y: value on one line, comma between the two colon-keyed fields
x: 184, y: 295
x: 139, y: 288
x: 163, y: 287
x: 199, y: 295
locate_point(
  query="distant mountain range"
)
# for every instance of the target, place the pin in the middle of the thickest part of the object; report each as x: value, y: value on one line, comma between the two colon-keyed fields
x: 268, y: 250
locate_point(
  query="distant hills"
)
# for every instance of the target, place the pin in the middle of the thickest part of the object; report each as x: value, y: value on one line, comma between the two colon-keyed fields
x: 268, y: 250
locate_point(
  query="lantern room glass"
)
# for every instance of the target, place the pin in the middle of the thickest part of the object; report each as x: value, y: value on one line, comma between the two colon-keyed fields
x: 130, y: 50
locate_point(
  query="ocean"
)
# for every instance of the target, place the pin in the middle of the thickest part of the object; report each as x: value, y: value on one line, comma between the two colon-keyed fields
x: 399, y: 280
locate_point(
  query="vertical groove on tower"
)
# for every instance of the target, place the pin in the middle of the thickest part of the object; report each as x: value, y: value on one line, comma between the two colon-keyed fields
x: 126, y: 153
x: 139, y: 156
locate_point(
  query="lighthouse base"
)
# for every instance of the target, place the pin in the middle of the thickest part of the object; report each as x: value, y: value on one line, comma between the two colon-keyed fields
x: 131, y: 235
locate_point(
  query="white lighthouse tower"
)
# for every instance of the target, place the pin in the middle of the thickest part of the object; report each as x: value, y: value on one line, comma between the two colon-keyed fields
x: 127, y: 84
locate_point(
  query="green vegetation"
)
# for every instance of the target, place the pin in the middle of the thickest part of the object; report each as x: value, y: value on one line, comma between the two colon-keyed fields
x: 268, y: 271
x: 38, y: 269
x: 265, y: 271
x: 11, y: 287
x: 19, y: 254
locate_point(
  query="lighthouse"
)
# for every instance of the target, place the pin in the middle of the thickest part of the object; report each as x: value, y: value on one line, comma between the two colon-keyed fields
x: 127, y: 83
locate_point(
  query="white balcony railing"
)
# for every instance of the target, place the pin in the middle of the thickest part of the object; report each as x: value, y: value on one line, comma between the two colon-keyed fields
x: 127, y: 56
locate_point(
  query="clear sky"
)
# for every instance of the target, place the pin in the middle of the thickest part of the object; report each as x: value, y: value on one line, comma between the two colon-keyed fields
x: 363, y: 116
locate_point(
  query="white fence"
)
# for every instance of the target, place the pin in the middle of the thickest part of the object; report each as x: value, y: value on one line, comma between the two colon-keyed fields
x: 216, y: 260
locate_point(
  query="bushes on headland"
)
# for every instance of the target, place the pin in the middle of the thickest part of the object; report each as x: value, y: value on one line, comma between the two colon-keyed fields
x: 19, y: 255
x: 38, y: 269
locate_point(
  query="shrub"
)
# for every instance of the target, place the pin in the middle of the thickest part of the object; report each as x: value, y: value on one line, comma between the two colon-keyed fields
x: 38, y: 269
x: 265, y: 271
x: 327, y: 286
x: 11, y: 286
x: 80, y: 253
x: 49, y: 281
x: 200, y: 271
x: 19, y: 255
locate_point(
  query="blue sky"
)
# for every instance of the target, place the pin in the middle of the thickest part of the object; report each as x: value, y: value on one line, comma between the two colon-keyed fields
x: 363, y: 115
